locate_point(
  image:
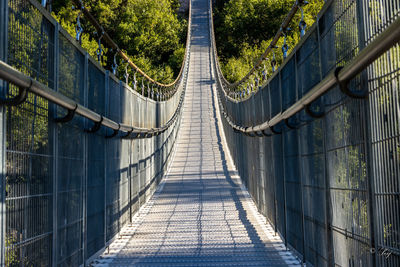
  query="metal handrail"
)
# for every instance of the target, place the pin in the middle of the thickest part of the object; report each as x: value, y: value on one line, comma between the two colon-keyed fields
x: 19, y: 79
x: 381, y: 44
x: 28, y: 84
x: 114, y: 46
x: 267, y: 51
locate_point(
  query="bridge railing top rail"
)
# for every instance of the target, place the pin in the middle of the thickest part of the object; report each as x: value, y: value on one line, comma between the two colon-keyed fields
x: 337, y: 48
x: 281, y: 32
x: 43, y: 59
x: 106, y: 37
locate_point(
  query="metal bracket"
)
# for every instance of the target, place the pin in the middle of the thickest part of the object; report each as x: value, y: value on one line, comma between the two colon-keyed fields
x: 258, y: 134
x: 114, y: 133
x: 266, y: 134
x: 135, y: 135
x: 251, y: 134
x: 95, y: 127
x: 290, y: 126
x: 142, y: 135
x: 18, y: 99
x: 345, y: 89
x: 127, y: 134
x: 70, y: 115
x: 311, y: 113
x: 274, y: 131
x: 150, y: 133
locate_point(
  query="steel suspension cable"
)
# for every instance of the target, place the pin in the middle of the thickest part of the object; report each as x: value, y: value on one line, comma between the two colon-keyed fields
x: 284, y: 26
x: 28, y: 84
x: 341, y: 75
x: 106, y: 37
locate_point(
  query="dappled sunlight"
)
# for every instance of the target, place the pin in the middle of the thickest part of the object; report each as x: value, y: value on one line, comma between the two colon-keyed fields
x: 202, y: 216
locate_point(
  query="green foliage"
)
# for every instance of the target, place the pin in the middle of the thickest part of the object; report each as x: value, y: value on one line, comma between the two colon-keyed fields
x: 149, y: 31
x: 245, y: 28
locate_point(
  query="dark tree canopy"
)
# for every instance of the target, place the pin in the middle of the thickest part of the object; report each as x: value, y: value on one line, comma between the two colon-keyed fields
x: 245, y: 28
x: 151, y: 32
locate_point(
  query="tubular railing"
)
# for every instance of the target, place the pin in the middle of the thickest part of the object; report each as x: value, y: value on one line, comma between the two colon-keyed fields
x: 25, y: 83
x: 115, y: 47
x: 232, y: 87
x: 325, y: 172
x: 340, y: 76
x: 67, y: 192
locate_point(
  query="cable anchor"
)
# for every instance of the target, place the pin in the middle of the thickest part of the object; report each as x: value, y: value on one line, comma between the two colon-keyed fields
x: 273, y: 61
x: 78, y: 27
x: 264, y: 74
x: 302, y: 23
x: 126, y: 74
x: 256, y: 81
x: 134, y: 81
x: 115, y: 65
x: 99, y: 50
x: 285, y: 46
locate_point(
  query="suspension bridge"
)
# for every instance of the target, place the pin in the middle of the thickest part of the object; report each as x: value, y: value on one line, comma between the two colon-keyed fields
x: 299, y: 167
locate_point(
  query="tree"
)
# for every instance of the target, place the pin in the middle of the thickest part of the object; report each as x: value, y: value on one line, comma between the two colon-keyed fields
x: 151, y: 32
x: 245, y: 28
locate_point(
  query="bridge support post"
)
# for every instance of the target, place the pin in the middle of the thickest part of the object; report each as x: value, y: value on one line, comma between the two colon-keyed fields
x: 327, y: 192
x: 106, y: 94
x: 362, y: 25
x: 3, y: 85
x: 85, y: 166
x: 54, y: 143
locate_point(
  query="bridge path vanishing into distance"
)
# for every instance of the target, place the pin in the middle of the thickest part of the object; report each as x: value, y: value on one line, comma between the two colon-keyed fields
x: 201, y: 214
x: 297, y: 167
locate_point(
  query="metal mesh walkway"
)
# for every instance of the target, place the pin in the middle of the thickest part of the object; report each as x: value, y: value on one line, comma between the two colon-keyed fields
x: 200, y: 215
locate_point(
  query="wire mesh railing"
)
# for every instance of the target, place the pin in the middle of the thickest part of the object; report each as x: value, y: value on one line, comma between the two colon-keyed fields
x: 257, y: 75
x: 164, y: 90
x: 81, y: 151
x: 326, y: 172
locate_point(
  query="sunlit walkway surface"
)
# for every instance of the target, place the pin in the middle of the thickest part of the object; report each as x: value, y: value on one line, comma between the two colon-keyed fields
x: 200, y: 216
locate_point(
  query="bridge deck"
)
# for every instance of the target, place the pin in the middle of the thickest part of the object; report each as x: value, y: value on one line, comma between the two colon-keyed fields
x: 200, y: 215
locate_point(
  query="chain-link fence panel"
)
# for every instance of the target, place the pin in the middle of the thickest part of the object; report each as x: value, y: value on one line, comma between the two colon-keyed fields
x: 331, y: 183
x: 70, y: 190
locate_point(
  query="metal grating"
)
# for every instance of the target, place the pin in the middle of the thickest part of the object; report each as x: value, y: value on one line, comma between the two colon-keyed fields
x: 333, y: 182
x: 68, y: 192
